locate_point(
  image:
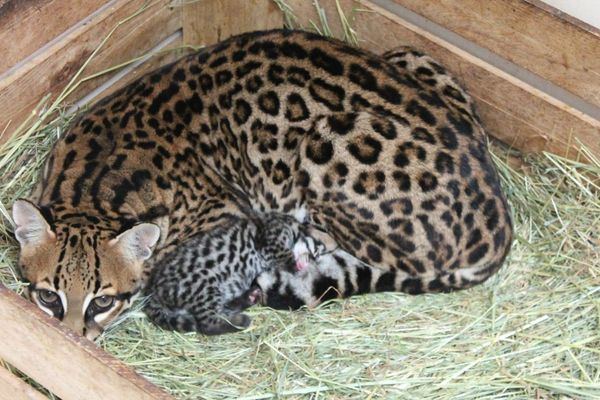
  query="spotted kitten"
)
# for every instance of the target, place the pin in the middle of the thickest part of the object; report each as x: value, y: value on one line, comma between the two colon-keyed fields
x: 205, y: 283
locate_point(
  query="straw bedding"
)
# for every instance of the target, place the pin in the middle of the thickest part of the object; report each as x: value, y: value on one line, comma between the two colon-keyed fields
x: 532, y: 331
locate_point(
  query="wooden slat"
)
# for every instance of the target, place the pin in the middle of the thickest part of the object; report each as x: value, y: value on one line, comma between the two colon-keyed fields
x: 147, y: 31
x: 25, y: 26
x: 545, y: 6
x: 529, y: 33
x: 210, y: 21
x: 512, y: 111
x: 51, y: 70
x: 169, y: 54
x: 67, y: 364
x: 14, y: 388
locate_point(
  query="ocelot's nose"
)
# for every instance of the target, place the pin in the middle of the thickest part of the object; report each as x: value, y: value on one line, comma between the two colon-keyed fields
x: 92, y: 333
x: 74, y: 322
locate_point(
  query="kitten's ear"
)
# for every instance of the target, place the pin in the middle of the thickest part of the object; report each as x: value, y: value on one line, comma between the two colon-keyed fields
x: 31, y: 228
x: 138, y: 242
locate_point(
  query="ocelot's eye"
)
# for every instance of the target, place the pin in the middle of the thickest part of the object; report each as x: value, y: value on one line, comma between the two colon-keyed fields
x: 103, y: 303
x: 48, y: 298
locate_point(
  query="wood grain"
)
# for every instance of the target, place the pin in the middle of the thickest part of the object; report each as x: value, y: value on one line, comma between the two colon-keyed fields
x: 50, y: 70
x: 169, y: 54
x: 42, y: 348
x: 25, y: 26
x: 145, y: 33
x: 563, y: 50
x: 210, y: 21
x: 14, y: 388
x: 512, y: 111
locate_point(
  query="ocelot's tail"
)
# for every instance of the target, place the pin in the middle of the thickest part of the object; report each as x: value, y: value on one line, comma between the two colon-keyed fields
x: 340, y: 275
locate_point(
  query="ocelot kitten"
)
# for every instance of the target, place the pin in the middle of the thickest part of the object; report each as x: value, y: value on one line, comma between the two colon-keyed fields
x: 207, y: 281
x: 383, y: 153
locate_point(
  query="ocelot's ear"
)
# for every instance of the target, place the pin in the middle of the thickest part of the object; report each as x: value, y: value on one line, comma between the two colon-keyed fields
x: 31, y: 228
x: 138, y: 242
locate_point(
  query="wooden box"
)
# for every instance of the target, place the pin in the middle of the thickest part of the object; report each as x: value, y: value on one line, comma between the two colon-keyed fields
x: 535, y: 74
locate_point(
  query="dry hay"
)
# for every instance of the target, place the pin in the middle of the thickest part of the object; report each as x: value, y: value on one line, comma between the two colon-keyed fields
x: 532, y: 331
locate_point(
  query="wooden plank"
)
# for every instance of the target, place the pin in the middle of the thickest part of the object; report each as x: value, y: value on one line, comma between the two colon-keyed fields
x: 210, y: 21
x: 171, y: 52
x: 50, y: 70
x: 512, y: 111
x: 542, y: 4
x: 32, y: 24
x: 67, y: 364
x: 141, y: 38
x: 14, y: 388
x: 168, y: 54
x: 529, y: 33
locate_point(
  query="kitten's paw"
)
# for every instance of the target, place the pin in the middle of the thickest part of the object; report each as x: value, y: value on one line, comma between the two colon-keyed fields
x: 254, y: 296
x: 302, y: 262
x: 302, y: 256
x: 240, y: 321
x: 219, y: 325
x: 247, y: 299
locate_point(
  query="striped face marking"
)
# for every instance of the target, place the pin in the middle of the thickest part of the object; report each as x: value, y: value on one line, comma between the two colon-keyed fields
x: 83, y: 276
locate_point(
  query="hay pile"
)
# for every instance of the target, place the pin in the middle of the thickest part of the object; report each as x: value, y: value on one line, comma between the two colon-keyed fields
x: 532, y: 331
